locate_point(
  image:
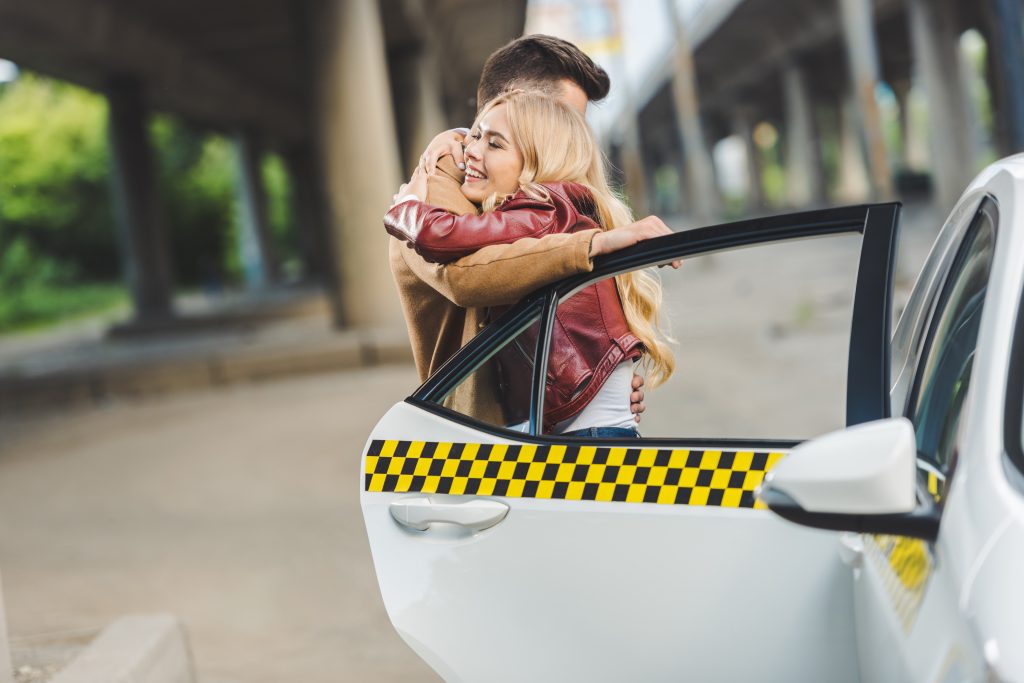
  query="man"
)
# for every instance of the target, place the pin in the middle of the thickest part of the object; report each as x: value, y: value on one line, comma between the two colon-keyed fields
x: 445, y: 306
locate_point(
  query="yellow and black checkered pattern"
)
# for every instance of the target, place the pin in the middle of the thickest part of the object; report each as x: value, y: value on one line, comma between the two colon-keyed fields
x: 630, y: 475
x: 904, y: 566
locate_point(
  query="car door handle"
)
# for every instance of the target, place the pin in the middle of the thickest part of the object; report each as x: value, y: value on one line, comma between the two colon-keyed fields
x: 476, y: 514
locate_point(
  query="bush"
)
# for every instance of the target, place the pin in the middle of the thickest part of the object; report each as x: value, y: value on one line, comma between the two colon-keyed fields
x: 54, y: 166
x: 196, y: 172
x: 36, y: 289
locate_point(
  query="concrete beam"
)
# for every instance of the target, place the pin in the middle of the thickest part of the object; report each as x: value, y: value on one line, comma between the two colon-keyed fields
x: 937, y: 61
x: 743, y: 126
x: 804, y: 173
x: 853, y: 185
x: 634, y: 171
x: 1006, y: 52
x: 145, y: 252
x: 310, y: 214
x: 356, y: 127
x: 862, y: 52
x: 255, y: 244
x: 100, y: 40
x: 700, y: 169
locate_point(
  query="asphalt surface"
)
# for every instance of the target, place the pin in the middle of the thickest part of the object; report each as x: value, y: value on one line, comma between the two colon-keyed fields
x: 236, y: 510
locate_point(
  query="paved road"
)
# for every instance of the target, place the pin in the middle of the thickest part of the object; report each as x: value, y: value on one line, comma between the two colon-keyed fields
x: 238, y: 511
x: 235, y: 510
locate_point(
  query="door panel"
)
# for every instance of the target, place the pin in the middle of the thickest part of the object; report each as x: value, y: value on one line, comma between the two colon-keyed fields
x: 565, y: 589
x: 617, y: 560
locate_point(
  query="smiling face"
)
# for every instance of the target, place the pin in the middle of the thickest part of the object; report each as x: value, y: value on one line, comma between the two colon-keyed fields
x: 493, y: 163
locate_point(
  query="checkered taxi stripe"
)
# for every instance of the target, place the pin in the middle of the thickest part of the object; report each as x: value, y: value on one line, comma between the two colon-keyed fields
x: 630, y: 475
x: 904, y: 566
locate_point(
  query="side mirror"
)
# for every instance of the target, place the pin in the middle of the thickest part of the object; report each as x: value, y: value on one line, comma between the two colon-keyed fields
x: 861, y: 479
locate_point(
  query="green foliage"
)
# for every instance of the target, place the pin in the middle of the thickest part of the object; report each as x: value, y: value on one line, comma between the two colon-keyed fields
x: 39, y: 305
x: 57, y: 226
x: 196, y: 171
x: 54, y: 168
x: 279, y: 213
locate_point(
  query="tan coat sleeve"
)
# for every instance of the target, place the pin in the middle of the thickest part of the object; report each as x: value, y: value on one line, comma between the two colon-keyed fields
x: 500, y: 274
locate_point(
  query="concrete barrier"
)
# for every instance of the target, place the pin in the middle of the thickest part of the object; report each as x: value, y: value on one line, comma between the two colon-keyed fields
x: 143, y: 648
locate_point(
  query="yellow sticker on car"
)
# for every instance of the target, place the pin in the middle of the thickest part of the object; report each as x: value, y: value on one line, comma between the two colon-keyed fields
x: 665, y: 476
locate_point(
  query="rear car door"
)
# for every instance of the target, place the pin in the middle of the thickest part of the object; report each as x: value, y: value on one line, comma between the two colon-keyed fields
x: 507, y: 555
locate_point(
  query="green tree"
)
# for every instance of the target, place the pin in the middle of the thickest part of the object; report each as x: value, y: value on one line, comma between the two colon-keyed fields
x: 54, y: 170
x: 197, y: 187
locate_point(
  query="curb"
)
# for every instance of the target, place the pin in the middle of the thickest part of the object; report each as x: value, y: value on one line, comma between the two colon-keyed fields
x: 83, y: 386
x: 143, y: 648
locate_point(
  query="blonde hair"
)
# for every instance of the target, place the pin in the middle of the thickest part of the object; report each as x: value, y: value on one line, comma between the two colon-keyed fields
x: 557, y: 145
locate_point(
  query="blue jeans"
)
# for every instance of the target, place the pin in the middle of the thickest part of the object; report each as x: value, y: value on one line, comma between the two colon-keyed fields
x: 605, y: 433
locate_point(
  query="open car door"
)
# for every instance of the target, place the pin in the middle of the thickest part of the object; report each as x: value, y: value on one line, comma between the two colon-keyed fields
x: 511, y: 556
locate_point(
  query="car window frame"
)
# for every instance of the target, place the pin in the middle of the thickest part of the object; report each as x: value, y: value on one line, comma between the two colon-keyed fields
x: 990, y: 207
x: 1013, y: 416
x: 909, y: 333
x: 869, y: 374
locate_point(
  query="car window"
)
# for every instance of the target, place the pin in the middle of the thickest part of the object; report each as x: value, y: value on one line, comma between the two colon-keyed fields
x: 908, y: 337
x: 1013, y: 419
x: 759, y: 336
x: 944, y: 373
x: 497, y: 390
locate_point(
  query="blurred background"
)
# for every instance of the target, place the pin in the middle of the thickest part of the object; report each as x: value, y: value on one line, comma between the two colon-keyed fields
x: 190, y: 203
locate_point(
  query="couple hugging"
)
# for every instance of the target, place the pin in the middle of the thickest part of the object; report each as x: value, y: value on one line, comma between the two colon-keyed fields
x: 518, y: 202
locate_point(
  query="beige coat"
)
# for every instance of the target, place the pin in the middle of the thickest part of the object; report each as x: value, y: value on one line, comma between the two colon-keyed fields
x: 446, y: 306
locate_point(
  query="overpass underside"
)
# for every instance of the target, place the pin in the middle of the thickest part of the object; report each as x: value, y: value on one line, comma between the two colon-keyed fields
x: 814, y: 70
x: 348, y: 92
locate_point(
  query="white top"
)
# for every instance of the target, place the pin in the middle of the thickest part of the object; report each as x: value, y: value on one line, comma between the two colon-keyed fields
x: 610, y: 408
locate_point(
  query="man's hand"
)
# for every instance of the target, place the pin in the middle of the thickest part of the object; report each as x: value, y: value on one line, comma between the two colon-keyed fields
x: 448, y: 142
x: 417, y: 185
x: 636, y: 399
x: 619, y: 238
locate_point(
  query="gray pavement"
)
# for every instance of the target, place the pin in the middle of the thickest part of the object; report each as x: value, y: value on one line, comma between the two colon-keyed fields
x: 236, y: 507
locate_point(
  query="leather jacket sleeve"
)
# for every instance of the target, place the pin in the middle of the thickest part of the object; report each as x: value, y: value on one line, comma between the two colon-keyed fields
x: 441, y: 237
x: 502, y: 274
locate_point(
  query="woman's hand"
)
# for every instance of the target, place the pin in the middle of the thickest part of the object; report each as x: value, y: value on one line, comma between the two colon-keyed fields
x: 613, y: 240
x: 448, y: 142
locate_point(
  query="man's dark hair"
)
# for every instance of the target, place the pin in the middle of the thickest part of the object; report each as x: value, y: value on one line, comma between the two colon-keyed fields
x: 540, y: 62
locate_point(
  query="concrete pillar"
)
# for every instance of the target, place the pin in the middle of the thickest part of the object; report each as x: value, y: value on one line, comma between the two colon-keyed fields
x: 309, y: 212
x: 700, y: 170
x: 255, y: 245
x: 937, y: 63
x: 1006, y: 53
x: 853, y: 185
x: 427, y: 111
x: 743, y: 126
x: 145, y: 252
x: 901, y: 90
x: 635, y: 172
x: 356, y: 127
x: 862, y: 55
x: 804, y: 173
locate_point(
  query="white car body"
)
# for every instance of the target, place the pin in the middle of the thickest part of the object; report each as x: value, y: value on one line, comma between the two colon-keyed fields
x: 512, y: 571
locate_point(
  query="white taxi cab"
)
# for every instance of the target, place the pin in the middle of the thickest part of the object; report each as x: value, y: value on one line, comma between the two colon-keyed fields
x: 887, y: 551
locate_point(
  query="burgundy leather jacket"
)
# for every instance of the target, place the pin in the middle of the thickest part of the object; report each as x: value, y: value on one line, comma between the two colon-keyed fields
x: 590, y: 336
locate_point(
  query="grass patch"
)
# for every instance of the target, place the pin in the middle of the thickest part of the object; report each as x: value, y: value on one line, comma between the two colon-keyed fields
x: 39, y: 306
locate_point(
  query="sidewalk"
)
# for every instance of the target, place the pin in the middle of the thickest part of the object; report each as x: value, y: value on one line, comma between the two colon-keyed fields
x: 236, y: 340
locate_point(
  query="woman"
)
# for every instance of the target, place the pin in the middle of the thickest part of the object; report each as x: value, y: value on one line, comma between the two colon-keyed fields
x: 534, y: 169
